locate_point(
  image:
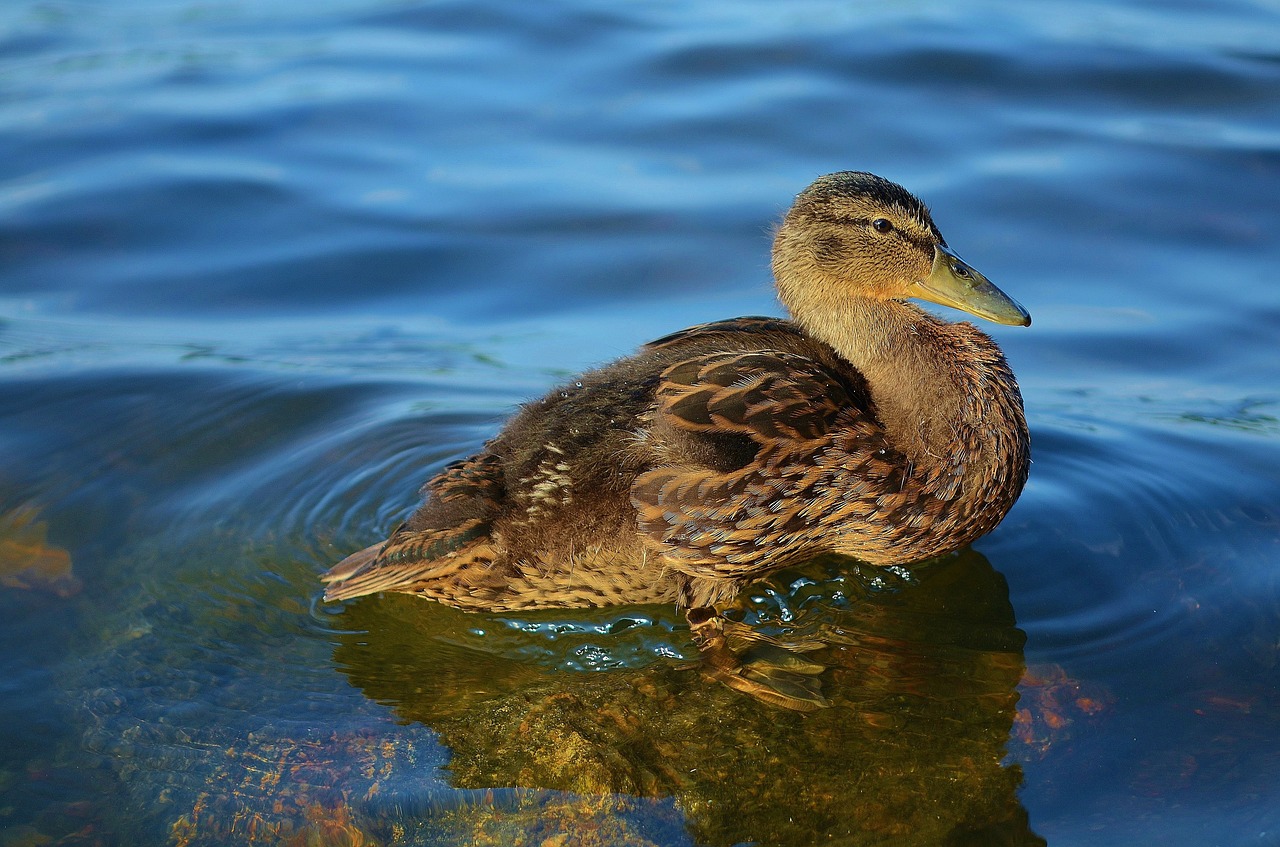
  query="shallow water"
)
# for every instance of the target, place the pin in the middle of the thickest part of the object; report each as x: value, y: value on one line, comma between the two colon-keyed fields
x: 264, y: 267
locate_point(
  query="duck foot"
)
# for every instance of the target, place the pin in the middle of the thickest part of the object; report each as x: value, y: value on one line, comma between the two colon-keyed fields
x: 754, y: 664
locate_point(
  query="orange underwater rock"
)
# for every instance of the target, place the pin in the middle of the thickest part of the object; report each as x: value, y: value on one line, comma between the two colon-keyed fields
x: 28, y: 561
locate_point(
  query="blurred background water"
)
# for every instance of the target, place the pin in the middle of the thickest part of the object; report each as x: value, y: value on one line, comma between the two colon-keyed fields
x: 264, y: 267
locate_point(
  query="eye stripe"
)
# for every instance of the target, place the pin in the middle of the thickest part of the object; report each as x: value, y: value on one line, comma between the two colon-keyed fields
x: 830, y: 218
x: 924, y: 243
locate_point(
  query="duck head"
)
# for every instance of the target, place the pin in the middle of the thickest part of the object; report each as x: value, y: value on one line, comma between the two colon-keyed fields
x: 854, y: 235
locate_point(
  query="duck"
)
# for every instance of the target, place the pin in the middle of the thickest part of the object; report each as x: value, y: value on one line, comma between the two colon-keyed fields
x: 861, y: 425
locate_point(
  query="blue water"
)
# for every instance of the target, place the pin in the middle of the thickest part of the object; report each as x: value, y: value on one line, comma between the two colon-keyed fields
x: 264, y: 267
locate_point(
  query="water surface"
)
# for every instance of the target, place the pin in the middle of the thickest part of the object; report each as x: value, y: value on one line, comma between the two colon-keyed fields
x: 263, y: 268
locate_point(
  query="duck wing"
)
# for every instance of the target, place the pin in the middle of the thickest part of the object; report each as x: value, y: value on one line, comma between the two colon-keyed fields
x: 719, y: 521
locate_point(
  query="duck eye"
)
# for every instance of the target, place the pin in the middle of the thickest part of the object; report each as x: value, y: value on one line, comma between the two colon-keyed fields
x: 882, y: 226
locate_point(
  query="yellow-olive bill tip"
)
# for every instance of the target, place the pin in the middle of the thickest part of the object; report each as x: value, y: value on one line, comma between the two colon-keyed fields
x: 953, y: 283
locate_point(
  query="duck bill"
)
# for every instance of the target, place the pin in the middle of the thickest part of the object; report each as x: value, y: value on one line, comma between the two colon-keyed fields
x: 953, y: 283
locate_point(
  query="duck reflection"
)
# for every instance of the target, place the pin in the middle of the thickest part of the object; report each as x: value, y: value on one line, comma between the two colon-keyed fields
x: 917, y: 686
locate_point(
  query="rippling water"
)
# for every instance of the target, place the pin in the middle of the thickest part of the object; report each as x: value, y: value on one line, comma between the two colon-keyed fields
x: 264, y: 267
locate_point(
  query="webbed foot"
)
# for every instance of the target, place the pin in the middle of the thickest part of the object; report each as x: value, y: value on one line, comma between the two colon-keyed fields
x: 770, y: 670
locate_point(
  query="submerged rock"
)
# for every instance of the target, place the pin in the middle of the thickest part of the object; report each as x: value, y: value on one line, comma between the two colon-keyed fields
x: 28, y: 561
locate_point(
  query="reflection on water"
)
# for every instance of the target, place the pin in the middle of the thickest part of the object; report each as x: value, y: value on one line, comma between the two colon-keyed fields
x: 213, y: 711
x: 922, y: 676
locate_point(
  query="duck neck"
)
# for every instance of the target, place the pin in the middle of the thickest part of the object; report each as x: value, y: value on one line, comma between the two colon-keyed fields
x: 908, y: 358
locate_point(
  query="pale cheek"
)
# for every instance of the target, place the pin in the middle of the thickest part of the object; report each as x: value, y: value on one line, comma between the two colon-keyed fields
x: 881, y: 277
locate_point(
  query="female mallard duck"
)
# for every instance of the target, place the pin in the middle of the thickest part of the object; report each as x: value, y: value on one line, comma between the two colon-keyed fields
x: 714, y: 456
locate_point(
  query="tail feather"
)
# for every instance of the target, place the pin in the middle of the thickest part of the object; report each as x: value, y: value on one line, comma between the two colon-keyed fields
x: 351, y: 565
x: 410, y: 561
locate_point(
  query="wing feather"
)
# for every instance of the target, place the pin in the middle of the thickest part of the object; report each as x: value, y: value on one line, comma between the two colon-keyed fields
x: 715, y: 523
